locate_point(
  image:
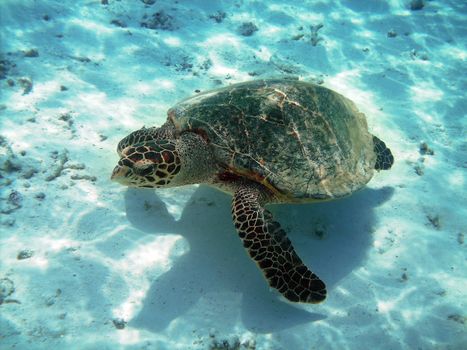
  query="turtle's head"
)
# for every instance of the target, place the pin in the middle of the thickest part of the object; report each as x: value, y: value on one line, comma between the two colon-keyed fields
x: 146, y: 161
x: 155, y: 158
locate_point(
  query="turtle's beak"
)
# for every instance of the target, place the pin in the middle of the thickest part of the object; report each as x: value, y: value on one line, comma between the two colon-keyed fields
x: 118, y: 174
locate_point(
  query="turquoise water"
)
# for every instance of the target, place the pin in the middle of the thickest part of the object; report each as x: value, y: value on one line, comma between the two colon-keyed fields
x: 88, y: 264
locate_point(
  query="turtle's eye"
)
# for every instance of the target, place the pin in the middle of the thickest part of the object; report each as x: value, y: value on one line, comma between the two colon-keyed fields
x: 144, y: 169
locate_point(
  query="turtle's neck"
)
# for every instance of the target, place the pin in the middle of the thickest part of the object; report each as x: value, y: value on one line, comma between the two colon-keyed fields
x: 197, y: 159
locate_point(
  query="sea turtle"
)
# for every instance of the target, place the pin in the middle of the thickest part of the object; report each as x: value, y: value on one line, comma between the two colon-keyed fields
x: 263, y: 141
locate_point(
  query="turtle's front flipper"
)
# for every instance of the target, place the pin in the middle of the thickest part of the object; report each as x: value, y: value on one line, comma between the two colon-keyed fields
x: 267, y: 244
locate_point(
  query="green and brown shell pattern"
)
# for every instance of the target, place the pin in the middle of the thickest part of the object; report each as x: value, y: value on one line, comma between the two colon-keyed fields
x: 302, y: 141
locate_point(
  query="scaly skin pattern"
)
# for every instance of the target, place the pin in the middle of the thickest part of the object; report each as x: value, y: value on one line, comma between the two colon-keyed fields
x: 147, y: 164
x: 384, y: 157
x: 268, y: 245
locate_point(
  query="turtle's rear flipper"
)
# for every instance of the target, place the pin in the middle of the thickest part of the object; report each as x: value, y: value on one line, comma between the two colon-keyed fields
x: 384, y: 157
x: 268, y: 245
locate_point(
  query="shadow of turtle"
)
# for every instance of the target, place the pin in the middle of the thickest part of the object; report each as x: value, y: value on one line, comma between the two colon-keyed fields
x: 216, y: 266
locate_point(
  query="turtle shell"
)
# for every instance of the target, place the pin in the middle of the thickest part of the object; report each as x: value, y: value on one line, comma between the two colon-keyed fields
x: 303, y: 141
